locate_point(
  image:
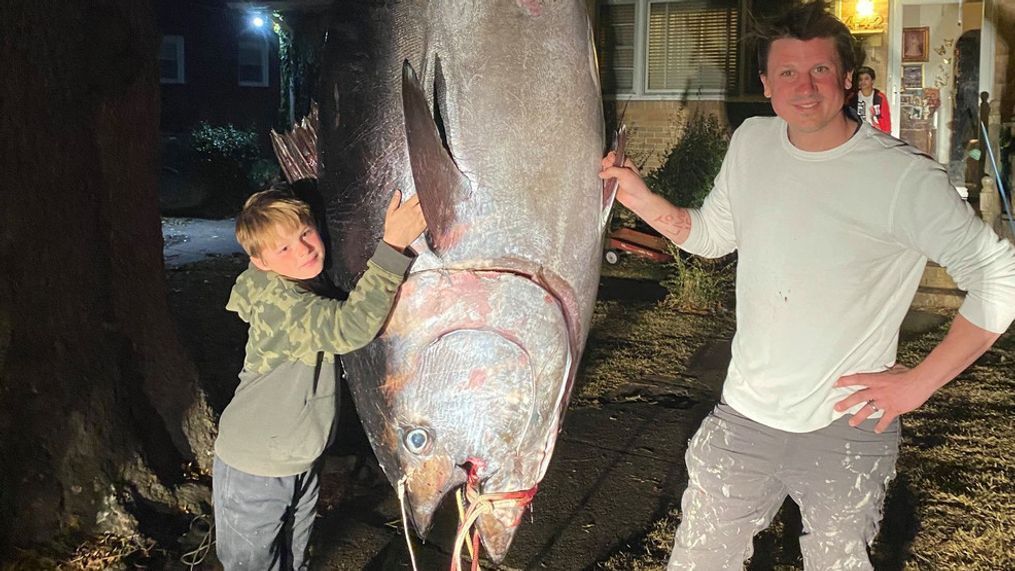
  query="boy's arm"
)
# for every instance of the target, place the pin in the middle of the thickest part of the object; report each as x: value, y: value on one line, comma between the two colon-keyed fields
x: 344, y: 326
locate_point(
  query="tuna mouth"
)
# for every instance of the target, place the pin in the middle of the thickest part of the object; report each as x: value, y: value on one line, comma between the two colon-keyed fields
x: 496, y: 516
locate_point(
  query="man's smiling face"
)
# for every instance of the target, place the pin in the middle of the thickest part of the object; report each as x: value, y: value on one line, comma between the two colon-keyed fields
x: 807, y: 87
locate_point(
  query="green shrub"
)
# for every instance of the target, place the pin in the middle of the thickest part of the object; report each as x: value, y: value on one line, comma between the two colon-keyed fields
x: 699, y: 285
x: 689, y: 167
x: 230, y: 164
x: 225, y: 143
x: 685, y: 177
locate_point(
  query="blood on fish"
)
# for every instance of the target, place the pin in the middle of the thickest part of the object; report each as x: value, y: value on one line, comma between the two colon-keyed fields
x: 533, y: 7
x: 476, y: 378
x: 393, y: 384
x: 451, y: 238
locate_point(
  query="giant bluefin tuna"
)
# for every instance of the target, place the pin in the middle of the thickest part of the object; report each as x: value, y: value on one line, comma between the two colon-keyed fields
x: 501, y: 135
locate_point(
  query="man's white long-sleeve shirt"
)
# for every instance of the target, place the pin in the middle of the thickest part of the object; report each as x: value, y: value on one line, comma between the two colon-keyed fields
x: 832, y: 246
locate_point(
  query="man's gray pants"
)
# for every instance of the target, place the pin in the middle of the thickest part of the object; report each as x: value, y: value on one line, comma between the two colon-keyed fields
x: 740, y: 472
x: 263, y: 523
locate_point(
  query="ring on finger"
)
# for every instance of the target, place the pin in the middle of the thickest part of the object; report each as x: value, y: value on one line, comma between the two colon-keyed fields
x: 873, y: 406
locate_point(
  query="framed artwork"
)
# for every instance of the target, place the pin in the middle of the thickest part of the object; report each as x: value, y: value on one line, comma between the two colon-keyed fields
x: 912, y: 76
x: 915, y: 44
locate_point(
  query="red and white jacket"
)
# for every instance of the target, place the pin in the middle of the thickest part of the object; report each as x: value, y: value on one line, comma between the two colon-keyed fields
x: 881, y: 113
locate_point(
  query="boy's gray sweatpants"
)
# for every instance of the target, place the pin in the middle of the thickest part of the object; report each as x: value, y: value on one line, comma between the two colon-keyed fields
x: 263, y: 523
x: 740, y: 471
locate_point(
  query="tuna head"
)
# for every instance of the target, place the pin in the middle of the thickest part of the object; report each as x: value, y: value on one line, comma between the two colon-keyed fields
x: 476, y: 364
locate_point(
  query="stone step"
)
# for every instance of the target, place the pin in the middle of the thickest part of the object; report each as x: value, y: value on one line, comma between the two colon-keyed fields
x: 934, y: 276
x: 938, y: 297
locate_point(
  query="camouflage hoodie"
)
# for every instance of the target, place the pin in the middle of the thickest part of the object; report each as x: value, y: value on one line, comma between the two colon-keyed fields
x: 283, y: 412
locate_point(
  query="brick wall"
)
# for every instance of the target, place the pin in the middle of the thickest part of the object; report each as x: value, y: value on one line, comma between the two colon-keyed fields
x: 655, y: 125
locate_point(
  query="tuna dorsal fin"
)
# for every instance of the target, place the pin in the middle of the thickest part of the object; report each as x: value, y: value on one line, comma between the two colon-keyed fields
x: 439, y: 183
x: 610, y: 186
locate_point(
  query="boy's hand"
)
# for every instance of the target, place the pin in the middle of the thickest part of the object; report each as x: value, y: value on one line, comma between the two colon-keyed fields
x: 630, y: 187
x: 403, y: 224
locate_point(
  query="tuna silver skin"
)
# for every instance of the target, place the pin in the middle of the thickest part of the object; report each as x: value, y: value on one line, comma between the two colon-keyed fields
x: 502, y: 137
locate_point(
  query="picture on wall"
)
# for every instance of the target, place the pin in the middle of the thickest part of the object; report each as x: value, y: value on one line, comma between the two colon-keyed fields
x: 915, y: 44
x: 912, y: 76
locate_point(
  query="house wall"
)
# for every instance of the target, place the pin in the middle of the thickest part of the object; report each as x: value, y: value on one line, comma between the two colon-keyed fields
x: 655, y: 125
x: 211, y: 91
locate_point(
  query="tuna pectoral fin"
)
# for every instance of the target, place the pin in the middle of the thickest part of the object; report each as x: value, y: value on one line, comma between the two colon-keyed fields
x: 439, y: 183
x: 610, y: 186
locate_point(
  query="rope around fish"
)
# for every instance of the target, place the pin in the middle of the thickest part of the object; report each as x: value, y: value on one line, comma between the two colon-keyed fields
x: 479, y: 504
x: 405, y: 522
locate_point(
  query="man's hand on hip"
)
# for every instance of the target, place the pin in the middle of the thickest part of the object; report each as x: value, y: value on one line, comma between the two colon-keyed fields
x: 894, y: 392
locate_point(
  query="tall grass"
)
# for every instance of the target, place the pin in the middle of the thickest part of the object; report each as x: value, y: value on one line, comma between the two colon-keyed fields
x: 698, y: 284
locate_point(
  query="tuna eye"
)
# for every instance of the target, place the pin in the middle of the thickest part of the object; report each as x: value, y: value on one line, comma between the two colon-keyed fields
x: 417, y: 440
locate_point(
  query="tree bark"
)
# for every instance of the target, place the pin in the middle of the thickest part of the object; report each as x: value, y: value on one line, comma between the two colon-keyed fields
x: 99, y: 404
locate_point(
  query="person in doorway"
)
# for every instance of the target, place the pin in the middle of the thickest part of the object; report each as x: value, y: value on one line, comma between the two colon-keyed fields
x: 828, y: 263
x: 870, y: 104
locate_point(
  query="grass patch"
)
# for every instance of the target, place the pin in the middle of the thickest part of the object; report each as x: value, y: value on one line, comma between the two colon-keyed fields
x: 699, y: 284
x: 952, y: 505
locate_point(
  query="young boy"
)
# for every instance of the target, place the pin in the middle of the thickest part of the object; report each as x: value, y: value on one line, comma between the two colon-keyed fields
x: 281, y: 418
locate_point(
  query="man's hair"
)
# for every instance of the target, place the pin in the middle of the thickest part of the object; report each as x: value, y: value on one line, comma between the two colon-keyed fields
x: 807, y: 21
x: 864, y: 69
x: 266, y: 216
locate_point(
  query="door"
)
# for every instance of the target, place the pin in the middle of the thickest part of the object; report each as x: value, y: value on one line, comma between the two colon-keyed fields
x: 940, y: 57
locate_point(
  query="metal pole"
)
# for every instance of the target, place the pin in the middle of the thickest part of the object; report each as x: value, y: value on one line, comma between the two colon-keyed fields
x: 997, y: 177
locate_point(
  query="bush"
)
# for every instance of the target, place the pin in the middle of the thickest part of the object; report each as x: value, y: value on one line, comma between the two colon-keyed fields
x: 225, y: 143
x: 231, y: 164
x: 689, y: 167
x: 699, y: 285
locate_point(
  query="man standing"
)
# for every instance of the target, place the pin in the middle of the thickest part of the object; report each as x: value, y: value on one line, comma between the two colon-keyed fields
x: 870, y: 104
x: 828, y: 265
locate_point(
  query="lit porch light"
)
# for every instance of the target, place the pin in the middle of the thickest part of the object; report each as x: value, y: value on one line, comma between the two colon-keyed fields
x: 865, y: 8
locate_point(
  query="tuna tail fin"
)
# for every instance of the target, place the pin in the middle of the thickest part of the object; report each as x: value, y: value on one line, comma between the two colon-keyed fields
x: 610, y: 186
x: 439, y: 183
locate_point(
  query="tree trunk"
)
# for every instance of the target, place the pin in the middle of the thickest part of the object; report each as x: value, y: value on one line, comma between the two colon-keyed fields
x: 99, y: 404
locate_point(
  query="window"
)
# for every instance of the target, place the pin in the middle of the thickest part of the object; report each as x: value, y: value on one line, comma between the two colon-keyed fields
x: 665, y: 49
x: 171, y: 60
x: 253, y: 62
x: 692, y: 46
x: 616, y: 47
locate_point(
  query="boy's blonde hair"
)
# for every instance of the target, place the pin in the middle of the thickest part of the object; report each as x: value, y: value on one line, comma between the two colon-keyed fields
x: 267, y: 216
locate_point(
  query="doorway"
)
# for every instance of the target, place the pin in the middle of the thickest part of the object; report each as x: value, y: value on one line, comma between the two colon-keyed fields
x: 934, y: 76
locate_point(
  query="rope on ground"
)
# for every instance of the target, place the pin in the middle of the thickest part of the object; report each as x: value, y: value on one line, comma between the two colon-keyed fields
x: 195, y: 557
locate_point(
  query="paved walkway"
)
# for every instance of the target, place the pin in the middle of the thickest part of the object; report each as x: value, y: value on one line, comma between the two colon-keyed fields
x: 189, y: 240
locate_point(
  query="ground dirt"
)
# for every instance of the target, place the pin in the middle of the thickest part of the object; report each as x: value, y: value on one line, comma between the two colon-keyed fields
x: 608, y: 499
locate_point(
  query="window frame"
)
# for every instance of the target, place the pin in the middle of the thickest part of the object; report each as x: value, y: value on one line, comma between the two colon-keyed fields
x: 640, y: 90
x: 265, y: 53
x: 179, y: 44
